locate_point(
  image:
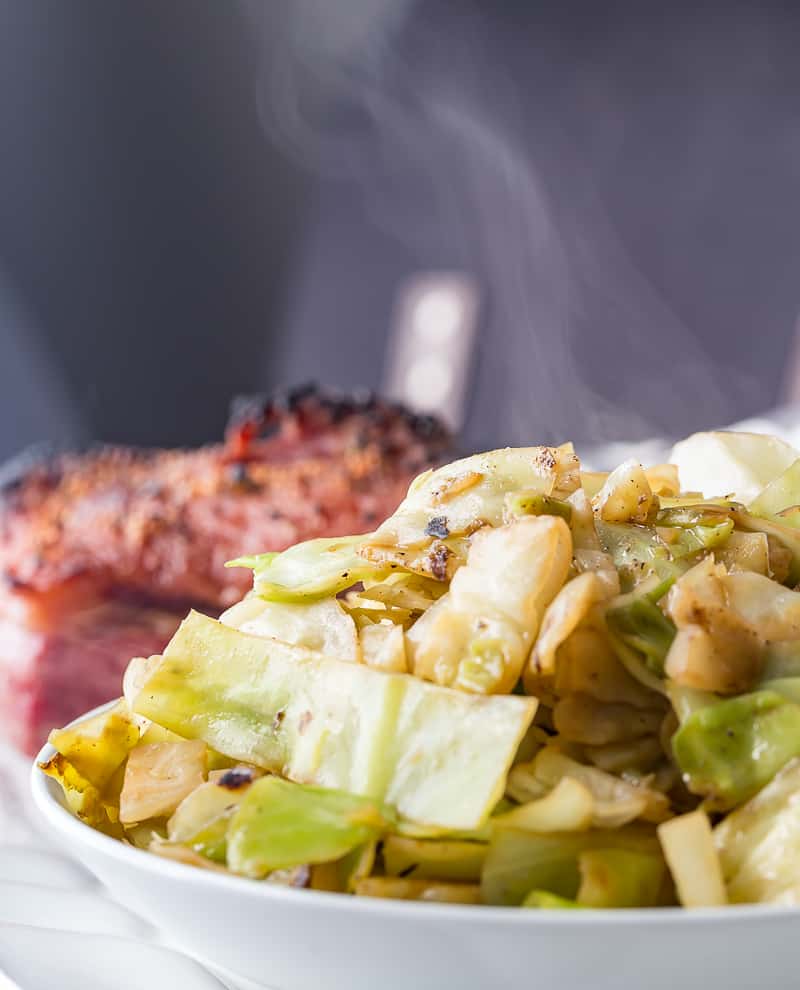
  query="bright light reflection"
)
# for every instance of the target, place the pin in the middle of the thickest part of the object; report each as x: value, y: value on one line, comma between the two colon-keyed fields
x: 438, y: 315
x: 428, y: 381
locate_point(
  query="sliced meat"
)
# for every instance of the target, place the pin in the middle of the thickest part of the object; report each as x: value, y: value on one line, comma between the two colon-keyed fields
x: 48, y: 676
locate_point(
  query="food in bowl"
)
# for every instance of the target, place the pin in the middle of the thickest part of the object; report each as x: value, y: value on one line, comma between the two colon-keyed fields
x: 531, y: 686
x: 101, y: 554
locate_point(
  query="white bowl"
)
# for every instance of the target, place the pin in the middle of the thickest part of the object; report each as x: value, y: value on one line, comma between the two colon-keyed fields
x: 306, y: 940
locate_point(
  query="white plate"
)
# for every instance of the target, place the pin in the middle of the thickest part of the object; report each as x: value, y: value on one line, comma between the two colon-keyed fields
x: 307, y: 940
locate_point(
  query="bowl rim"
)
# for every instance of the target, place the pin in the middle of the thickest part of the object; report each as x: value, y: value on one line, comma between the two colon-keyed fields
x: 61, y: 820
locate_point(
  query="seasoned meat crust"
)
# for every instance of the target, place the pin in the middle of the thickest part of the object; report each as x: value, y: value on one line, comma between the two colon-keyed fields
x: 161, y: 524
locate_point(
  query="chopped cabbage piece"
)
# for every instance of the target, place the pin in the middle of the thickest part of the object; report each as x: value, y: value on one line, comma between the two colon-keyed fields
x: 582, y: 526
x: 688, y: 541
x: 518, y: 862
x: 639, y: 625
x: 569, y: 807
x: 626, y: 496
x: 323, y: 626
x: 407, y: 591
x: 279, y: 825
x: 83, y: 799
x: 771, y: 610
x: 341, y: 875
x: 692, y: 857
x: 477, y: 636
x: 781, y: 493
x: 729, y: 750
x: 780, y: 534
x: 589, y: 665
x: 158, y: 777
x: 98, y: 746
x: 615, y: 801
x: 431, y: 859
x: 730, y: 463
x: 440, y: 756
x: 183, y: 854
x: 619, y: 878
x: 88, y: 765
x: 583, y: 719
x: 201, y: 820
x: 717, y: 647
x: 536, y: 504
x: 759, y: 843
x: 383, y: 647
x: 471, y: 492
x: 745, y: 552
x: 630, y: 756
x: 564, y: 614
x: 638, y: 553
x: 663, y: 479
x: 314, y: 569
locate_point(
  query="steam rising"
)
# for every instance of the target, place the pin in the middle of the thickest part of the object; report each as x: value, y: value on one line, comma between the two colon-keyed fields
x: 457, y: 155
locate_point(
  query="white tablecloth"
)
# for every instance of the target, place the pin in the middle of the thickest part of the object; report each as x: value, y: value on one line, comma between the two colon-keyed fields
x: 58, y: 927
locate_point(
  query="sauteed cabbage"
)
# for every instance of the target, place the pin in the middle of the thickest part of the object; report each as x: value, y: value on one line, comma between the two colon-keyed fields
x: 531, y: 686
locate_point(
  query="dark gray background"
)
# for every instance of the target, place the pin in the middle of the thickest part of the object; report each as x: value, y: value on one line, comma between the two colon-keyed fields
x: 198, y: 198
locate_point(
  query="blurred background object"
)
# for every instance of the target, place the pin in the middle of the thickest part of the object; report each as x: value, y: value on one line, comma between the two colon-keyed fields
x: 198, y: 199
x: 145, y: 224
x: 430, y: 345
